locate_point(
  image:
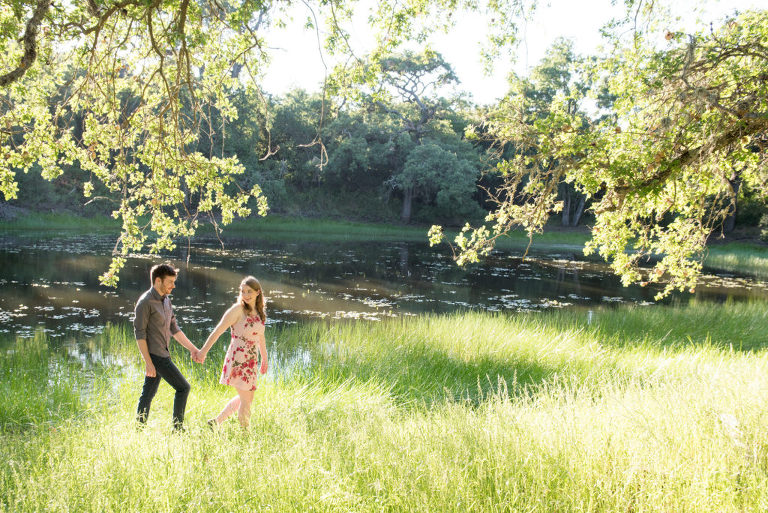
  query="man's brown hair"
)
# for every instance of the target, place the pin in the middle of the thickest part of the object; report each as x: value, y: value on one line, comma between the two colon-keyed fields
x: 161, y: 271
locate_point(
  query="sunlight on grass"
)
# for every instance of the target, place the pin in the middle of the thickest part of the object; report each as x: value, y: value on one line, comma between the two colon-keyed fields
x: 43, y: 222
x: 639, y: 409
x: 278, y: 227
x: 741, y: 258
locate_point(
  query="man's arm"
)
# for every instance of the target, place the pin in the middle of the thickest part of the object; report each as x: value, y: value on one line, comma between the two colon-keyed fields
x: 140, y: 322
x: 182, y: 339
x: 149, y: 367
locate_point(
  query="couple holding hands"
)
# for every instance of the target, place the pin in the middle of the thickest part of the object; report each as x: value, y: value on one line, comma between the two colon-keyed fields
x: 155, y: 324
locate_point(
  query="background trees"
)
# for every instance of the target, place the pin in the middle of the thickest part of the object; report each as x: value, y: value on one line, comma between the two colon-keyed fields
x: 415, y: 80
x: 559, y: 80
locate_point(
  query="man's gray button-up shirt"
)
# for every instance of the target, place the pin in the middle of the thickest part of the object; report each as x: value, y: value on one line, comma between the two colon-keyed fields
x: 155, y: 322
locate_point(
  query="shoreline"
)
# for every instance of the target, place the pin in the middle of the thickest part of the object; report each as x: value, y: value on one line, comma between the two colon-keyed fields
x: 743, y: 253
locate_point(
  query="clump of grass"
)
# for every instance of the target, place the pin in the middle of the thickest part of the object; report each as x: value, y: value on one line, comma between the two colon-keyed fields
x: 739, y: 257
x: 464, y: 412
x: 279, y: 227
x: 46, y: 222
x: 40, y: 385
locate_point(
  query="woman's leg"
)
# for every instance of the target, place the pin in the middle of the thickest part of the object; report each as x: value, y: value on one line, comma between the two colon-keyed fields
x: 231, y: 407
x: 244, y: 412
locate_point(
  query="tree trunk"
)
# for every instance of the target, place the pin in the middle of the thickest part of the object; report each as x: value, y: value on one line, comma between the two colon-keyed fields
x: 566, y: 214
x: 730, y: 222
x: 407, y: 204
x: 573, y: 204
x: 579, y: 209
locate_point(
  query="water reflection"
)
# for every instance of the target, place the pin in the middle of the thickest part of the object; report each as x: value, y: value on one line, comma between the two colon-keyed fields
x: 52, y: 285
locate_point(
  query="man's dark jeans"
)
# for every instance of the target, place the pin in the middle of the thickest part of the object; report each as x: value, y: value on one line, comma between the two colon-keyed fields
x: 165, y: 369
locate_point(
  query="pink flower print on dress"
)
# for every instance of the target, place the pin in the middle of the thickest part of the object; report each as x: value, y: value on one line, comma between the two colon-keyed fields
x: 243, y: 354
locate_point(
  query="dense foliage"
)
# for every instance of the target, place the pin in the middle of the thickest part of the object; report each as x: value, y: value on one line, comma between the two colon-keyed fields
x: 681, y: 128
x: 140, y: 95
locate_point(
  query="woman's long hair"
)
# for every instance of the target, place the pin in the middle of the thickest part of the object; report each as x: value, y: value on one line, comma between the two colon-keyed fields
x: 253, y: 283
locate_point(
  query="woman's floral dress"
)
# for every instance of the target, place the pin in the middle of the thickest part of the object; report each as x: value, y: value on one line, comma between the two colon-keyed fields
x: 241, y: 365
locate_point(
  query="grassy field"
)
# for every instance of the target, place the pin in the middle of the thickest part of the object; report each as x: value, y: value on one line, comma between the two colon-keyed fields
x: 276, y: 226
x: 629, y: 409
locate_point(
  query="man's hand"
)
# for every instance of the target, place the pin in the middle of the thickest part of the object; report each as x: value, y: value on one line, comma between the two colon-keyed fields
x: 149, y: 370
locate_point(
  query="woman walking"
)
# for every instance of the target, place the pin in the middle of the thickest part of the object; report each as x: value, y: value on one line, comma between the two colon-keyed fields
x: 246, y: 320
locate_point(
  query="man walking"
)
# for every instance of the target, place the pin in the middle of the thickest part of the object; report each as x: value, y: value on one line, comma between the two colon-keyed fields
x: 154, y: 325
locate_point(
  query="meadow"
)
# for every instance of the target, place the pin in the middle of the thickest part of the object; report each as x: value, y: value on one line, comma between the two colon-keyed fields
x: 618, y: 409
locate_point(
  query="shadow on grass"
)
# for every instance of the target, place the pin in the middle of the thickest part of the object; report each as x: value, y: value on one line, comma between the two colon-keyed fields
x: 414, y: 372
x: 611, y: 344
x: 428, y: 376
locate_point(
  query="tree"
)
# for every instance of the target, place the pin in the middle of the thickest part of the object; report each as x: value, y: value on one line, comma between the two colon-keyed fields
x: 349, y: 162
x: 145, y: 76
x: 414, y: 80
x: 293, y: 130
x: 558, y: 75
x: 439, y: 175
x: 684, y: 117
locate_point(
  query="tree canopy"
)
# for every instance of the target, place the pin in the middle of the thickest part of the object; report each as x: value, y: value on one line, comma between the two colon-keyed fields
x: 124, y: 89
x: 688, y: 115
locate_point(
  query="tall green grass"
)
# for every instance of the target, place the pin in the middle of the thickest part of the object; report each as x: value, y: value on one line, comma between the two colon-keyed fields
x: 629, y: 409
x: 739, y: 257
x: 44, y: 222
x: 280, y: 227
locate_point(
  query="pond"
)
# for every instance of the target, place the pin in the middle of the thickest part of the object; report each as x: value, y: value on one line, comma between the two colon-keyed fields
x: 50, y: 284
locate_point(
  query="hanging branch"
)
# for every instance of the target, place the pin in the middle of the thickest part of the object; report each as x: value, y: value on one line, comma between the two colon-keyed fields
x: 30, y: 44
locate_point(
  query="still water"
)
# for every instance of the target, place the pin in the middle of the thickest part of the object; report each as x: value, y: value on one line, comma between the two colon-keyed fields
x: 51, y: 284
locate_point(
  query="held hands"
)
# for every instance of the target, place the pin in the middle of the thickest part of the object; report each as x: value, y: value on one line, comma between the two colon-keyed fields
x: 199, y: 355
x: 263, y: 365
